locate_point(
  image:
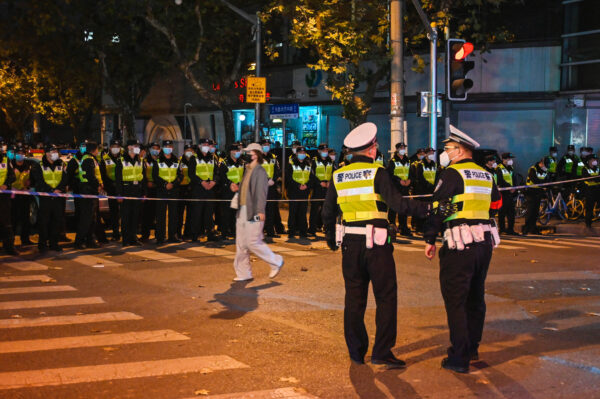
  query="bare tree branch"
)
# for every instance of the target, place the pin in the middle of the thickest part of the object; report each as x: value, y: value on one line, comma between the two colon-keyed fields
x: 163, y: 29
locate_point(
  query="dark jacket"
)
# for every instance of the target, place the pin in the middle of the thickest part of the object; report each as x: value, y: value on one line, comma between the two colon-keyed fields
x: 10, y: 173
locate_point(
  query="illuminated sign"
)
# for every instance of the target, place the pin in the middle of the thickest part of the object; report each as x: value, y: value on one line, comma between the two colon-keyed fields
x: 256, y: 90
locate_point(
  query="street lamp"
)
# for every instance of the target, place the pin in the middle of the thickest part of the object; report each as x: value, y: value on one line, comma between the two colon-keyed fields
x: 185, y: 107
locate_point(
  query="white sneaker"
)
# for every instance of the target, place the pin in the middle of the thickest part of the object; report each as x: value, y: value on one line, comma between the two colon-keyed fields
x: 242, y: 278
x: 275, y: 272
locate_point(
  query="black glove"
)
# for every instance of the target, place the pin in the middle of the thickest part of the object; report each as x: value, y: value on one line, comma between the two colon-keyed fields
x: 446, y: 208
x: 331, y: 242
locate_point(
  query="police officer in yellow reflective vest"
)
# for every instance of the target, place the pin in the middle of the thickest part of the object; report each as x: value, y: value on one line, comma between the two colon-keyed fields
x: 231, y: 171
x: 7, y: 178
x: 537, y: 174
x: 298, y: 183
x: 50, y: 176
x: 592, y: 188
x: 363, y: 191
x: 107, y: 167
x: 322, y: 170
x: 90, y: 182
x: 20, y: 204
x: 505, y: 172
x: 398, y: 167
x: 425, y: 175
x: 271, y: 165
x: 468, y: 242
x: 166, y: 176
x: 129, y: 182
x: 204, y: 177
x: 552, y: 160
x: 185, y: 192
x: 149, y: 207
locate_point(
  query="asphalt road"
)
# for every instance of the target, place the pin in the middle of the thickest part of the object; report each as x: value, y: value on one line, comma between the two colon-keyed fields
x: 170, y: 323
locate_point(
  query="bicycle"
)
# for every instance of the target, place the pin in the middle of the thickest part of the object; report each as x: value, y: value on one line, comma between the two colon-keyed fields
x: 552, y: 206
x: 520, y: 205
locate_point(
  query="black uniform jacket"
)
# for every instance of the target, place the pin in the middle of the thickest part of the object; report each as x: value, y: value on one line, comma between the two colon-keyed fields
x: 38, y: 177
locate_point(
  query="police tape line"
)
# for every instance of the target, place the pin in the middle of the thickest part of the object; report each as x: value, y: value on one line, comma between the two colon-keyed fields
x: 114, y: 197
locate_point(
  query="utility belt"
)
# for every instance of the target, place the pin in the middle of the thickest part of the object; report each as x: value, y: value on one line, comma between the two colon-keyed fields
x: 373, y: 235
x: 131, y: 183
x: 458, y: 237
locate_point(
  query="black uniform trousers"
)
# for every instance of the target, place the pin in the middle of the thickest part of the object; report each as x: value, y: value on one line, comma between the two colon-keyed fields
x: 130, y: 212
x: 462, y: 281
x: 506, y: 216
x: 51, y: 215
x: 6, y: 229
x: 359, y: 267
x: 20, y: 216
x: 297, y: 217
x: 272, y: 216
x: 534, y: 198
x: 402, y: 219
x: 228, y: 214
x: 592, y: 197
x: 185, y: 212
x: 87, y: 219
x: 315, y: 222
x: 149, y: 214
x: 164, y: 207
x: 113, y: 208
x: 203, y: 221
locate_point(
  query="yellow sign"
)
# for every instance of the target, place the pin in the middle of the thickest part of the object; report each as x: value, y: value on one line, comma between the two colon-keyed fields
x: 256, y: 90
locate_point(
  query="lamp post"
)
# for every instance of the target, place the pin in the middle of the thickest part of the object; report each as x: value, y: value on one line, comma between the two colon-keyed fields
x: 185, y: 107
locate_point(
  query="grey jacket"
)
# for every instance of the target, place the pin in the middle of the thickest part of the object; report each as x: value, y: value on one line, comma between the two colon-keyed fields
x: 258, y: 187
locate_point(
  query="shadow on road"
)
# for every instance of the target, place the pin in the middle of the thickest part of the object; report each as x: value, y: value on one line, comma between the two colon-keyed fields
x: 370, y: 384
x: 239, y: 299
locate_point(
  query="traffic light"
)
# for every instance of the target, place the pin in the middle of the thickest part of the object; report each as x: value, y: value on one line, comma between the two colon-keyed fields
x: 457, y: 68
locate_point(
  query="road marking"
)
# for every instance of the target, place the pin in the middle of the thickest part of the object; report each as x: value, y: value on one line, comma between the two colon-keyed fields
x: 32, y: 290
x: 549, y: 276
x: 9, y: 279
x: 68, y: 320
x: 528, y: 241
x: 576, y: 243
x: 158, y: 256
x: 291, y: 392
x: 106, y: 372
x: 43, y: 303
x: 25, y: 265
x: 504, y: 246
x: 45, y: 344
x: 89, y: 260
x: 211, y: 251
x: 301, y: 253
x: 279, y: 248
x: 558, y: 360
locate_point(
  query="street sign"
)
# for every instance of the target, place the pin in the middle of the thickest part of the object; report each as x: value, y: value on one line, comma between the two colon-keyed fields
x: 256, y: 90
x: 284, y: 111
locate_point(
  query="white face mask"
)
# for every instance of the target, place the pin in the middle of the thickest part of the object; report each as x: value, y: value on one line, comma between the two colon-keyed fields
x: 420, y: 157
x: 594, y: 163
x: 204, y: 149
x: 401, y: 152
x: 332, y: 157
x: 554, y: 154
x: 509, y: 162
x: 431, y: 157
x: 585, y: 153
x: 445, y: 158
x: 494, y: 165
x: 54, y: 156
x: 115, y: 150
x: 136, y: 150
x: 294, y: 150
x: 188, y: 154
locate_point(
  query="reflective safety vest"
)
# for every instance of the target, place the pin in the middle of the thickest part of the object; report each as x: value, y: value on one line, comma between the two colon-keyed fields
x: 96, y: 169
x: 401, y: 170
x: 21, y: 178
x: 592, y: 172
x: 580, y: 166
x: 3, y: 173
x: 507, y: 175
x: 132, y: 172
x: 300, y: 175
x: 52, y: 177
x: 568, y: 165
x: 110, y: 167
x: 379, y: 161
x: 149, y: 167
x: 355, y: 186
x: 184, y: 171
x: 477, y: 196
x: 235, y: 173
x: 540, y: 176
x: 553, y: 164
x: 323, y: 171
x: 168, y: 173
x: 204, y: 170
x: 429, y: 173
x: 269, y: 166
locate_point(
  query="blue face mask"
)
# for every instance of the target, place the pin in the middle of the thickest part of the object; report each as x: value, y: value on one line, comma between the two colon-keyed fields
x: 154, y: 152
x: 82, y: 149
x: 19, y: 157
x: 301, y: 157
x: 10, y: 155
x: 167, y: 150
x: 349, y: 157
x: 212, y: 150
x: 266, y: 149
x: 324, y: 154
x: 237, y: 154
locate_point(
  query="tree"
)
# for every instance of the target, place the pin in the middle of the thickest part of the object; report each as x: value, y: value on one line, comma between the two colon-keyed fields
x: 348, y: 39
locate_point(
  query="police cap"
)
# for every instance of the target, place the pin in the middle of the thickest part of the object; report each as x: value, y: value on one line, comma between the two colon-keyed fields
x: 507, y: 155
x: 458, y: 136
x: 570, y: 147
x: 265, y: 142
x: 50, y: 147
x: 133, y: 142
x: 187, y: 147
x: 204, y: 141
x: 233, y: 147
x: 361, y: 137
x: 489, y: 158
x: 323, y: 146
x: 91, y: 146
x: 400, y: 145
x: 553, y: 149
x: 296, y: 142
x: 167, y: 142
x: 115, y: 142
x: 154, y: 144
x: 301, y: 149
x: 20, y: 149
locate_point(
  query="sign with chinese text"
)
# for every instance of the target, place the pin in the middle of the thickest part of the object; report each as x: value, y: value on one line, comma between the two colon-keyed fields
x: 256, y: 90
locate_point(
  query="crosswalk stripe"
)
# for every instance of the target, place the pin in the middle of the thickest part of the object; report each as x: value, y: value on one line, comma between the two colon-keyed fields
x: 138, y: 337
x: 577, y: 243
x: 32, y: 290
x: 25, y: 265
x: 571, y: 275
x: 290, y: 392
x: 537, y: 244
x: 89, y: 260
x: 68, y: 320
x: 211, y: 251
x: 10, y: 279
x: 105, y: 372
x: 504, y: 246
x: 300, y: 253
x: 279, y: 248
x: 43, y: 303
x: 158, y: 256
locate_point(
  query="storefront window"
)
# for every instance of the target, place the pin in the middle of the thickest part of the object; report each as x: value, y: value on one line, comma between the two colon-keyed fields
x: 243, y: 123
x: 310, y: 121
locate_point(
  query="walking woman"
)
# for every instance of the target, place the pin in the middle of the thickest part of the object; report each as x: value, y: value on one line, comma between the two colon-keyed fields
x: 251, y: 219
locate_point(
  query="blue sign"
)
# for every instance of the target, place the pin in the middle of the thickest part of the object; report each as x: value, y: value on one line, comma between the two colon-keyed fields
x: 284, y: 111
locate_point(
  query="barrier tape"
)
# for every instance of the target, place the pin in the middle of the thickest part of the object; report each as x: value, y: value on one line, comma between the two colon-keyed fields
x: 91, y: 196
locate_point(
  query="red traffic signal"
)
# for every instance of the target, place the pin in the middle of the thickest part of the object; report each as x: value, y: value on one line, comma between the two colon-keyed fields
x: 457, y: 67
x: 461, y: 51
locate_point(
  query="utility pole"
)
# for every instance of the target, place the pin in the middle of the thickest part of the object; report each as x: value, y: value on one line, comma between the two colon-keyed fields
x: 397, y: 76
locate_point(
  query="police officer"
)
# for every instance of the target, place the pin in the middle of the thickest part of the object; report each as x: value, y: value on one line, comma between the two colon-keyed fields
x: 50, y: 177
x: 566, y: 167
x: 73, y: 167
x: 463, y: 264
x: 295, y: 145
x: 423, y: 178
x: 231, y: 171
x: 552, y: 161
x: 107, y: 169
x: 380, y: 160
x: 504, y: 179
x: 129, y: 182
x: 149, y: 207
x: 7, y: 178
x: 333, y: 157
x: 166, y: 177
x: 90, y: 182
x: 204, y: 177
x: 20, y: 204
x: 321, y: 170
x: 271, y: 165
x: 298, y: 183
x: 536, y: 174
x: 366, y: 257
x: 185, y: 207
x: 398, y: 168
x: 490, y: 166
x: 591, y: 189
